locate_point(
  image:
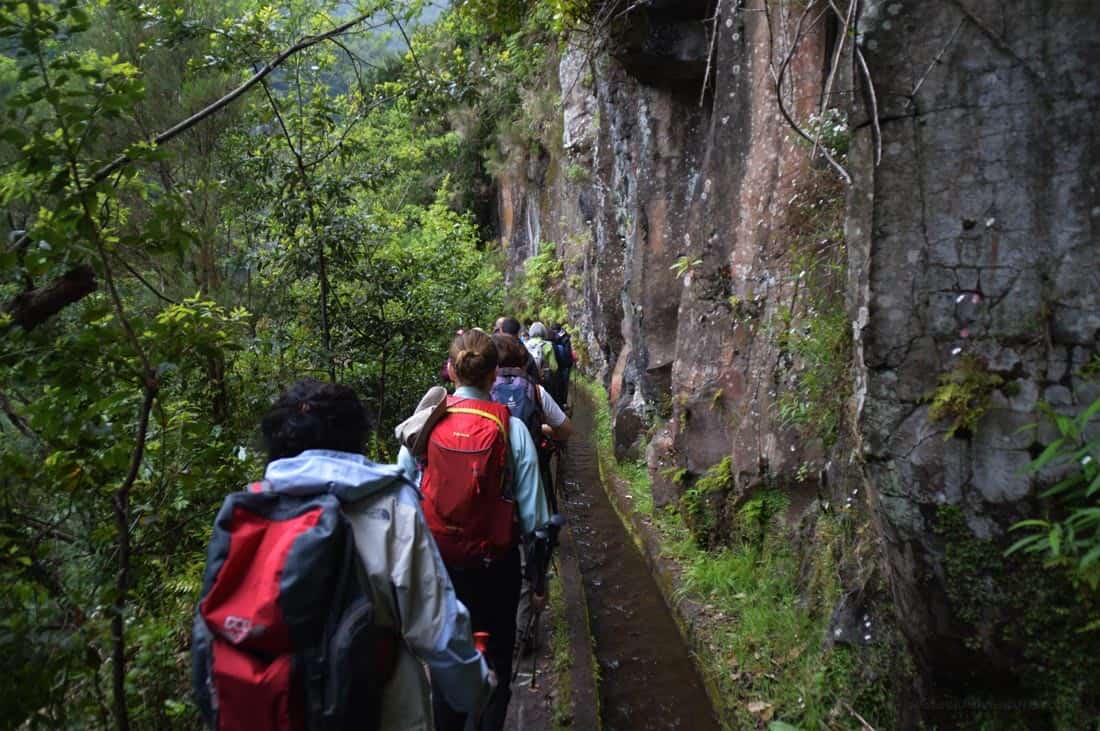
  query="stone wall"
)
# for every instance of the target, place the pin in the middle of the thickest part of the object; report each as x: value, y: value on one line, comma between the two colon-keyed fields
x: 974, y: 251
x: 685, y: 214
x: 664, y: 159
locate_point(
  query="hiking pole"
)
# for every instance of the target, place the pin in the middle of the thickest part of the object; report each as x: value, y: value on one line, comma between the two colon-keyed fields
x: 517, y: 650
x: 535, y: 654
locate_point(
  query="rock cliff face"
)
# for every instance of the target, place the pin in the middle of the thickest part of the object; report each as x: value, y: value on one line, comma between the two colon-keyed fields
x: 702, y: 251
x: 665, y: 161
x: 974, y: 249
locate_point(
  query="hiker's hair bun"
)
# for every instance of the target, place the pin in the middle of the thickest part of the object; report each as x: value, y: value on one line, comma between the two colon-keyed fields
x: 474, y: 357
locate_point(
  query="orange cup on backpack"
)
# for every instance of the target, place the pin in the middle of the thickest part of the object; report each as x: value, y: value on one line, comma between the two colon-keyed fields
x: 481, y: 642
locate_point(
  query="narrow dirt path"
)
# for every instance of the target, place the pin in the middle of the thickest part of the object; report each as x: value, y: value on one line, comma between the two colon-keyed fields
x: 648, y: 679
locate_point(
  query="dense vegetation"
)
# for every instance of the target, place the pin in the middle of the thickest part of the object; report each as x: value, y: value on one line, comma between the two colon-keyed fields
x: 330, y: 221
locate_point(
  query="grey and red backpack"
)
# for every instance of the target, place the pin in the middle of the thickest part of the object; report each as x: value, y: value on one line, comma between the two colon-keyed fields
x: 284, y: 635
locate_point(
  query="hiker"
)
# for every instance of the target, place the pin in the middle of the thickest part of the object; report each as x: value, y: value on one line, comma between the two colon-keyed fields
x: 563, y: 353
x: 535, y: 406
x: 507, y: 325
x: 547, y: 424
x: 542, y: 352
x: 478, y: 471
x: 324, y: 578
x: 510, y: 326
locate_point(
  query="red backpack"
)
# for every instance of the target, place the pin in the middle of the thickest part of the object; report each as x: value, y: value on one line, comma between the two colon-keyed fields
x: 284, y: 635
x: 471, y: 516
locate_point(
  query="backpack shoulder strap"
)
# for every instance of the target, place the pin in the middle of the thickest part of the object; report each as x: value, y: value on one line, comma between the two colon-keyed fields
x: 480, y: 412
x: 494, y: 412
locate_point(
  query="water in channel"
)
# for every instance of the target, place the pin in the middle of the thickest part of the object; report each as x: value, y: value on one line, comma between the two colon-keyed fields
x: 648, y: 679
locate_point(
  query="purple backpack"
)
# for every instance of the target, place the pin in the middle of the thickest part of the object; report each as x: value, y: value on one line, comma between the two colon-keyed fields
x: 514, y: 389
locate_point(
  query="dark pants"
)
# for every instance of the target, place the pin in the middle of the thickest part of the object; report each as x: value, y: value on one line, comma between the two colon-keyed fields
x: 491, y: 594
x: 560, y: 390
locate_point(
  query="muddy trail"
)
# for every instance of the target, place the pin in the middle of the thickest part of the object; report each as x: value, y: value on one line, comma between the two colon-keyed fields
x: 647, y: 678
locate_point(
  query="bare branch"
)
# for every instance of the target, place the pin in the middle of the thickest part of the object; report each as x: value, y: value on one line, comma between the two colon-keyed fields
x: 16, y: 418
x: 30, y: 309
x: 935, y: 61
x: 408, y: 43
x: 710, y: 52
x: 160, y: 295
x: 842, y: 36
x: 874, y: 105
x: 122, y: 581
x: 779, y: 92
x: 180, y: 127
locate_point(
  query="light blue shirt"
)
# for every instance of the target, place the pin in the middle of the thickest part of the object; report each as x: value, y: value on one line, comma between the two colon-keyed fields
x: 526, y: 485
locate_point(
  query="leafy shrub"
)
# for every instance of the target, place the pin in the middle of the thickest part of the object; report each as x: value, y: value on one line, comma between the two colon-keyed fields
x: 1072, y: 541
x: 963, y: 395
x: 683, y: 265
x: 538, y: 293
x: 823, y: 347
x: 830, y: 129
x: 701, y: 504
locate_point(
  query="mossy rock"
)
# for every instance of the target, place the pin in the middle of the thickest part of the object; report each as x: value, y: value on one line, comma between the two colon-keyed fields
x: 1032, y: 663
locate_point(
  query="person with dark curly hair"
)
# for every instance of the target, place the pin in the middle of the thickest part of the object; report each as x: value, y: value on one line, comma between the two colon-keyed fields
x: 477, y: 468
x: 315, y: 433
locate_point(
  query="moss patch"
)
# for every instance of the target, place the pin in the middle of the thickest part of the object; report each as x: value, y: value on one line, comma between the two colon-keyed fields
x: 561, y: 652
x: 1018, y: 607
x: 963, y: 396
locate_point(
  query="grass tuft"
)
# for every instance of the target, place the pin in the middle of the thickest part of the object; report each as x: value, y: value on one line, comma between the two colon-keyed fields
x: 761, y: 631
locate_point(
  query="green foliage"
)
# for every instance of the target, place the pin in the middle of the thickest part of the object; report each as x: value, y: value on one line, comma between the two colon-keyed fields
x: 830, y: 129
x: 814, y: 331
x: 490, y: 58
x: 1023, y: 605
x: 765, y: 632
x: 683, y: 265
x: 634, y: 474
x: 1069, y: 537
x: 539, y: 293
x: 701, y: 503
x: 963, y: 396
x: 679, y: 475
x: 766, y: 602
x: 306, y: 229
x: 817, y: 400
x: 577, y: 173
